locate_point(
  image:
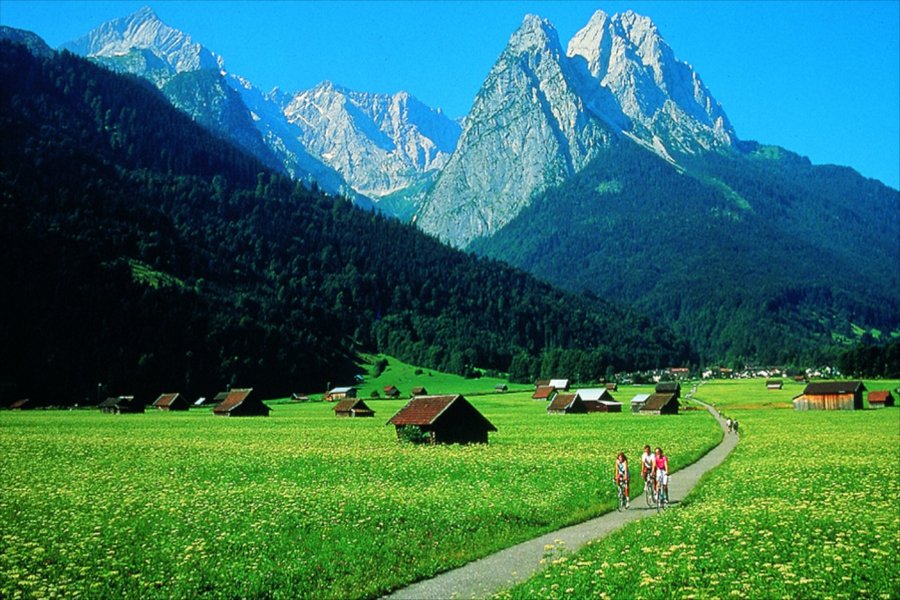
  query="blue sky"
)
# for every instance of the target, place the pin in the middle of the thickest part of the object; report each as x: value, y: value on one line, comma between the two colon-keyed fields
x: 819, y: 78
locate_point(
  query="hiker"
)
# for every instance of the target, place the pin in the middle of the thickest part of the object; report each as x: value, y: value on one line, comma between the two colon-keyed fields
x: 734, y: 425
x: 728, y: 424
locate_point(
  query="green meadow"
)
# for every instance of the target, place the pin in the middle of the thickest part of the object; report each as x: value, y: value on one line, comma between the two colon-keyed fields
x: 301, y: 503
x: 805, y: 507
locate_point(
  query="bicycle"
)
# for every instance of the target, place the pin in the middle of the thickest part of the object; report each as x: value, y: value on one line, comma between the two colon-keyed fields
x: 662, y: 498
x: 649, y: 493
x: 622, y: 496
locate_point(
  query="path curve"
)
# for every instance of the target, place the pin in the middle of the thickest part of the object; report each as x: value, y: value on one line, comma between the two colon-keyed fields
x: 487, y: 576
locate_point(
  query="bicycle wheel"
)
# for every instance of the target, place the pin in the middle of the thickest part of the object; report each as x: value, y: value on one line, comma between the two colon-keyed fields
x: 648, y: 492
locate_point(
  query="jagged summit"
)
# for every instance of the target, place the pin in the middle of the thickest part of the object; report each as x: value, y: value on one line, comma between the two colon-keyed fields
x: 144, y: 30
x: 534, y: 33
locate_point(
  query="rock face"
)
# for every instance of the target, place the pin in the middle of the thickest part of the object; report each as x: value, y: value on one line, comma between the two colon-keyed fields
x: 35, y: 44
x: 381, y: 144
x: 542, y: 115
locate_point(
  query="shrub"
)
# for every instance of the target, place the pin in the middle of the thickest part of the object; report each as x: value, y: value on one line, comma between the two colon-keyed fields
x: 413, y: 434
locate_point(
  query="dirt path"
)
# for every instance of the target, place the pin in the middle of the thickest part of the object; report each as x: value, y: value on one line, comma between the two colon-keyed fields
x: 491, y: 574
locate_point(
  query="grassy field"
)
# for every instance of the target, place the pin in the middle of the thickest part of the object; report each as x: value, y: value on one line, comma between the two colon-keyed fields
x: 298, y: 504
x: 805, y: 507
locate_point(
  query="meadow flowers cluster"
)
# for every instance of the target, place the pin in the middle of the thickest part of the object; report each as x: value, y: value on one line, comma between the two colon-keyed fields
x: 805, y: 507
x: 297, y: 504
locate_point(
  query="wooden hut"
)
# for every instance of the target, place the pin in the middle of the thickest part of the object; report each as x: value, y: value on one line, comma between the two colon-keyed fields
x: 23, y: 404
x: 545, y: 392
x: 121, y: 405
x: 299, y: 397
x: 391, y: 391
x: 660, y: 404
x: 353, y: 407
x: 613, y: 387
x: 501, y: 387
x: 669, y: 387
x: 880, y: 399
x: 418, y: 391
x: 339, y: 393
x: 831, y: 395
x: 774, y: 384
x: 444, y: 419
x: 560, y: 384
x: 173, y: 401
x: 241, y: 403
x: 637, y: 403
x: 566, y: 404
x: 599, y: 400
x: 216, y: 400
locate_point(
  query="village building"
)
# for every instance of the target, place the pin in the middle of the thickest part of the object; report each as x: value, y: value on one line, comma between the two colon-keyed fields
x: 774, y: 384
x: 669, y: 387
x: 241, y: 403
x: 339, y: 393
x: 447, y: 419
x: 566, y: 404
x: 831, y: 395
x: 391, y: 391
x: 171, y: 402
x: 880, y: 399
x: 680, y: 372
x: 544, y: 392
x: 121, y: 405
x: 418, y: 391
x: 353, y: 407
x: 660, y: 404
x: 501, y: 387
x: 637, y: 403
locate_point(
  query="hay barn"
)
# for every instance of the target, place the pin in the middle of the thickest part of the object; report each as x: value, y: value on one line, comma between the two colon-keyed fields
x: 566, y: 404
x: 545, y: 392
x: 391, y: 391
x: 880, y: 399
x: 660, y: 404
x: 241, y: 403
x: 774, y: 384
x: 444, y: 419
x: 121, y: 405
x: 173, y: 401
x: 339, y: 393
x: 831, y: 395
x: 353, y: 407
x: 669, y: 387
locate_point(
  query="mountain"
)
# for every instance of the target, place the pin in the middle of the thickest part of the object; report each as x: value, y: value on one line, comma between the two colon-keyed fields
x: 542, y: 114
x: 32, y: 41
x: 381, y: 144
x: 140, y: 252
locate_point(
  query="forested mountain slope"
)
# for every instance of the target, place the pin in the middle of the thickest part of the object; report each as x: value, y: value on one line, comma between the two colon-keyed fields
x: 140, y: 253
x: 752, y: 255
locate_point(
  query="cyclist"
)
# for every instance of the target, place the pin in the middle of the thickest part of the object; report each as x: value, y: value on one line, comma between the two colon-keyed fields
x: 661, y: 471
x: 622, y: 473
x: 646, y: 463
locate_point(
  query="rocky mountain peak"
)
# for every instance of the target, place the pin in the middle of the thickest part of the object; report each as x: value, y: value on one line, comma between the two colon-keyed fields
x: 535, y: 33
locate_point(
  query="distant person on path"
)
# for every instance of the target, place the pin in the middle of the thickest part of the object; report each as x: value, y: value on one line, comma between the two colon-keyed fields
x: 728, y: 424
x: 734, y: 425
x: 623, y: 474
x: 661, y: 471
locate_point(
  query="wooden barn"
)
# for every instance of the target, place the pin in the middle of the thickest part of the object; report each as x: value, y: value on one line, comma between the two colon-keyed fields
x: 501, y: 387
x: 23, y: 404
x: 566, y: 404
x: 660, y: 404
x: 353, y: 407
x: 391, y: 391
x: 831, y: 395
x: 299, y: 397
x: 637, y: 403
x: 669, y: 387
x: 774, y: 384
x: 613, y: 387
x: 171, y: 402
x: 545, y: 392
x: 560, y: 384
x: 418, y: 391
x: 216, y: 400
x: 599, y: 400
x: 444, y: 419
x: 339, y: 393
x: 121, y: 405
x: 880, y: 399
x: 241, y: 403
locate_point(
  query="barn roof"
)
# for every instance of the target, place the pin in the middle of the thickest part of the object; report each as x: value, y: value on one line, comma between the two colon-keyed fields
x: 879, y: 396
x: 668, y: 387
x: 562, y: 402
x: 24, y: 402
x: 340, y: 390
x: 560, y: 384
x: 232, y: 400
x: 594, y: 394
x: 388, y: 388
x: 543, y: 392
x: 658, y: 401
x: 640, y: 398
x: 116, y: 401
x: 349, y: 404
x: 821, y: 388
x: 165, y: 400
x: 425, y: 410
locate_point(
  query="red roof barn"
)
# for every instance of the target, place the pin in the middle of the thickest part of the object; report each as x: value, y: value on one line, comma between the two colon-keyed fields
x: 566, y: 404
x: 445, y: 419
x: 171, y: 402
x: 391, y: 391
x: 880, y: 399
x: 240, y: 403
x: 544, y: 392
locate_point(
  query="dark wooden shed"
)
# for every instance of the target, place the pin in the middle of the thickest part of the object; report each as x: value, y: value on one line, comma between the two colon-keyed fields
x: 501, y: 387
x: 172, y: 401
x: 831, y: 395
x: 418, y: 391
x: 444, y: 419
x: 121, y: 405
x: 544, y: 392
x: 880, y: 399
x: 353, y: 407
x: 241, y: 403
x: 669, y: 387
x: 660, y: 404
x: 391, y: 391
x: 774, y: 384
x: 22, y: 404
x: 566, y: 404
